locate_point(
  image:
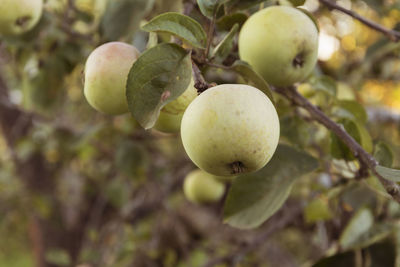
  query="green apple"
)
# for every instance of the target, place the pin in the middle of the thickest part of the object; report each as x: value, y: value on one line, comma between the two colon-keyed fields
x: 19, y: 16
x: 179, y: 105
x: 202, y: 187
x: 230, y: 129
x: 169, y: 120
x: 168, y: 123
x: 93, y: 7
x: 280, y: 43
x: 106, y: 72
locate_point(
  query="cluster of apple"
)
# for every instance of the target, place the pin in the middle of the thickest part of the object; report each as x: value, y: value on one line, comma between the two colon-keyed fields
x: 227, y: 130
x: 234, y: 129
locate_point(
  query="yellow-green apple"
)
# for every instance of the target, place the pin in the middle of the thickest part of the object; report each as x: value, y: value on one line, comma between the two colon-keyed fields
x: 280, y: 43
x: 106, y: 73
x: 168, y: 123
x: 230, y: 129
x: 169, y: 120
x: 202, y: 187
x: 19, y: 16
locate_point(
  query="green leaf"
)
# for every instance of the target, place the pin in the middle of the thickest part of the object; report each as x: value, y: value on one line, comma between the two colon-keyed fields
x: 131, y: 159
x: 360, y: 134
x: 358, y: 195
x: 223, y: 49
x: 43, y: 91
x: 180, y: 25
x: 324, y: 83
x: 209, y: 7
x: 242, y: 4
x: 338, y: 149
x: 253, y: 198
x: 366, y: 139
x: 318, y: 210
x: 383, y: 154
x: 295, y: 130
x: 388, y: 173
x: 309, y: 14
x: 123, y: 17
x: 247, y: 72
x: 159, y: 75
x: 153, y: 40
x: 227, y: 22
x: 297, y: 2
x: 359, y: 225
x: 374, y: 235
x: 361, y: 231
x: 351, y: 109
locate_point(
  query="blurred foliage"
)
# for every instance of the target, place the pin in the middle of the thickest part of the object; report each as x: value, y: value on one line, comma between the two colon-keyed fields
x: 114, y: 197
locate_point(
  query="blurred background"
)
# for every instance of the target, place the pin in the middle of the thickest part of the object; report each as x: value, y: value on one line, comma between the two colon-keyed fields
x: 79, y: 188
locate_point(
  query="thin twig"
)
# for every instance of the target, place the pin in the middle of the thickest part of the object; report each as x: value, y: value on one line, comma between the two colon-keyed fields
x: 199, y: 83
x: 391, y: 34
x: 365, y: 159
x: 188, y: 7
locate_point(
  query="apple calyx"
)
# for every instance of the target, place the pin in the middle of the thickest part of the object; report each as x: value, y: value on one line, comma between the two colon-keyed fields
x: 22, y: 21
x: 237, y: 167
x: 298, y: 61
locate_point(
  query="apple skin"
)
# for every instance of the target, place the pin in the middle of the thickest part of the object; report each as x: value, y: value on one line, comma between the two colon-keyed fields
x: 106, y: 73
x: 230, y: 129
x: 179, y: 105
x: 19, y: 16
x: 202, y: 187
x: 280, y: 43
x: 169, y: 120
x: 168, y: 123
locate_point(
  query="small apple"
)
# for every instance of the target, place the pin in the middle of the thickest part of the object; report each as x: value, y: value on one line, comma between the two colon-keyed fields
x: 179, y: 105
x: 168, y: 123
x: 202, y: 187
x: 169, y: 120
x: 106, y: 73
x: 230, y: 129
x: 19, y: 16
x: 94, y: 8
x: 280, y: 43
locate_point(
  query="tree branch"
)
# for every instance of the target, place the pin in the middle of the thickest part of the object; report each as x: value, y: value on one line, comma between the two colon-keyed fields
x: 391, y: 34
x: 281, y: 222
x: 365, y: 159
x: 39, y: 177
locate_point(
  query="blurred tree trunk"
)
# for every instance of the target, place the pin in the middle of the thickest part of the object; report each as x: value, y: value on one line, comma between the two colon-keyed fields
x: 39, y: 178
